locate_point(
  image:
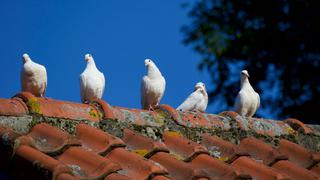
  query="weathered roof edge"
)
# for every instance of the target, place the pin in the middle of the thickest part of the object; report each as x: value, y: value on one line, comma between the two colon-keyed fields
x: 24, y: 110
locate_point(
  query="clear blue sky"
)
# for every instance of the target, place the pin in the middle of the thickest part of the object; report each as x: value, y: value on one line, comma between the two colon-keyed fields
x: 119, y: 35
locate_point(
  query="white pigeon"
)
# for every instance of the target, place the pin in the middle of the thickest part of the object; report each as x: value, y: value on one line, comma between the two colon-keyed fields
x: 152, y: 86
x: 92, y: 81
x: 196, y: 101
x: 33, y: 77
x: 248, y: 101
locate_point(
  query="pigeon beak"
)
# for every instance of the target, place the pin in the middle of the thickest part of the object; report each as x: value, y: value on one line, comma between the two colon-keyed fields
x: 25, y: 58
x: 245, y: 73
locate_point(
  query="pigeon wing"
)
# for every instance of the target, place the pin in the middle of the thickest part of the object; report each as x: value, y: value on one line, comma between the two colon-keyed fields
x: 239, y: 102
x: 83, y: 87
x: 101, y: 85
x: 191, y: 101
x: 144, y: 89
x: 258, y: 101
x: 45, y: 80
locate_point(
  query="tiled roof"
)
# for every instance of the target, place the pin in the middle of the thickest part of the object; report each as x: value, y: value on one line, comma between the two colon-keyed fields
x: 52, y: 139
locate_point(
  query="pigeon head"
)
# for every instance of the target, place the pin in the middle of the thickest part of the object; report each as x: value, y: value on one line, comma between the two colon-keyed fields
x: 244, y: 73
x: 25, y: 58
x: 200, y: 85
x: 148, y: 62
x: 88, y: 57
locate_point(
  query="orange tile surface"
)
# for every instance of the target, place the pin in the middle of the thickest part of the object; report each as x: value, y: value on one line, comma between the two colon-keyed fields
x: 49, y: 152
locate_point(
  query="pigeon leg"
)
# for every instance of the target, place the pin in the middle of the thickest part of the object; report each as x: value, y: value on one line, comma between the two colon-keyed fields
x: 151, y: 108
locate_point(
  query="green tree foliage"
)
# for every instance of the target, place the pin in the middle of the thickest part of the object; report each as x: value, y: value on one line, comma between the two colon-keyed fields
x: 277, y: 41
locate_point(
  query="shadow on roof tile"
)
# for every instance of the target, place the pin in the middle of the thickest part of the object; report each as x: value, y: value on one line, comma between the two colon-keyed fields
x: 32, y: 163
x: 316, y: 169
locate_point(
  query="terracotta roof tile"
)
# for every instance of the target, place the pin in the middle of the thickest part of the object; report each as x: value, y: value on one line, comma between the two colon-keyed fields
x: 13, y: 107
x: 62, y: 109
x: 66, y: 176
x: 298, y: 125
x: 296, y: 153
x: 93, y: 151
x: 196, y: 119
x: 142, y: 145
x: 316, y: 156
x: 258, y: 125
x: 35, y: 156
x: 261, y: 151
x: 92, y: 166
x: 134, y: 165
x: 7, y: 137
x: 138, y: 117
x: 160, y: 178
x: 293, y: 171
x: 117, y: 176
x: 316, y: 169
x: 216, y: 168
x: 50, y: 140
x: 184, y: 148
x: 96, y: 140
x: 30, y: 160
x: 221, y: 149
x: 104, y: 108
x: 256, y: 169
x: 178, y: 169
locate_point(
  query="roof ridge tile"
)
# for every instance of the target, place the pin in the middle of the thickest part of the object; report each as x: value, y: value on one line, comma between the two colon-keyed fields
x: 298, y: 125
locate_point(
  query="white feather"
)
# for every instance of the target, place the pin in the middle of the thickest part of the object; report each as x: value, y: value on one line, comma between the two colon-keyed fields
x: 196, y: 101
x: 247, y: 101
x: 152, y: 86
x: 33, y: 77
x: 92, y: 82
